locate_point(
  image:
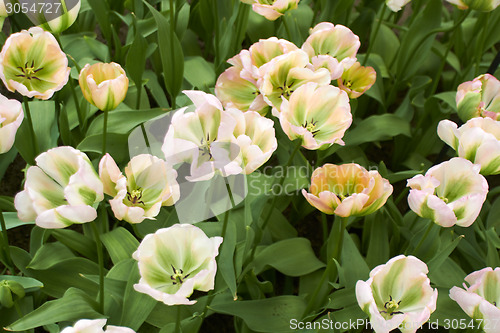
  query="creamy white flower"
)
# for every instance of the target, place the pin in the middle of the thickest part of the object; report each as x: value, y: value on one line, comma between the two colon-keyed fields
x: 450, y: 193
x: 175, y: 261
x: 397, y: 295
x: 62, y: 189
x: 11, y: 117
x: 95, y: 326
x: 396, y: 5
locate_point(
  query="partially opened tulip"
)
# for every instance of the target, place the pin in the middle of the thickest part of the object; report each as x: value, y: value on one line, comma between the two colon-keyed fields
x: 95, y: 326
x: 32, y: 63
x: 272, y: 9
x: 148, y: 184
x: 450, y: 193
x: 357, y: 79
x: 398, y: 294
x: 254, y: 135
x: 318, y: 115
x: 104, y: 85
x: 478, y: 140
x: 11, y: 117
x: 481, y: 301
x: 284, y: 74
x: 193, y: 137
x: 479, y: 5
x: 479, y: 98
x: 347, y: 190
x: 175, y: 261
x: 62, y: 189
x: 60, y: 18
x: 396, y: 5
x: 335, y: 41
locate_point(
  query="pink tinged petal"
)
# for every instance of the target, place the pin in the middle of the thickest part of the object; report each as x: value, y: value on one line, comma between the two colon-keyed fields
x: 332, y: 64
x: 467, y: 208
x: 162, y: 297
x: 200, y: 99
x: 267, y: 11
x: 352, y: 205
x: 24, y: 207
x: 118, y: 329
x: 468, y: 301
x: 86, y: 326
x: 443, y: 213
x: 447, y: 131
x: 110, y: 174
x: 396, y: 5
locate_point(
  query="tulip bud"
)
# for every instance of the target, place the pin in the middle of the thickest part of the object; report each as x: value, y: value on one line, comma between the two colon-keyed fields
x: 479, y: 98
x: 272, y: 10
x: 61, y: 16
x: 104, y: 85
x: 356, y: 80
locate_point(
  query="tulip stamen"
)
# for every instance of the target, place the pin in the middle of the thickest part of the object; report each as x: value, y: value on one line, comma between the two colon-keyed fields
x: 205, y: 147
x: 391, y: 306
x: 311, y: 127
x: 28, y: 72
x: 135, y: 197
x: 178, y: 277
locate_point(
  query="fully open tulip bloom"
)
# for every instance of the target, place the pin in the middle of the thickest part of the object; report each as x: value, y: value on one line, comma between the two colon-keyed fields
x: 396, y: 5
x: 482, y: 299
x: 347, y: 190
x: 272, y: 9
x: 32, y: 63
x: 175, y: 261
x: 398, y: 294
x: 336, y: 41
x: 95, y: 326
x: 284, y: 74
x: 356, y: 80
x: 62, y: 189
x: 60, y: 18
x: 478, y: 140
x: 104, y: 85
x: 11, y: 117
x: 318, y: 115
x: 450, y: 193
x: 480, y: 5
x: 148, y: 184
x: 193, y: 137
x: 479, y: 98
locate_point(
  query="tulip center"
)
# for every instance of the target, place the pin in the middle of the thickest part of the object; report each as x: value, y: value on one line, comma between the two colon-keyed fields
x: 135, y: 197
x: 204, y: 147
x: 444, y: 199
x: 310, y: 126
x: 29, y: 72
x: 267, y: 2
x: 348, y: 84
x: 178, y: 276
x: 391, y: 306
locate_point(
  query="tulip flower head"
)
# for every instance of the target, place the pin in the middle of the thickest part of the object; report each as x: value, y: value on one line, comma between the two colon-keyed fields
x: 95, y: 326
x: 478, y: 140
x: 62, y: 189
x: 356, y: 80
x: 396, y: 5
x: 479, y: 98
x: 284, y: 74
x: 60, y: 18
x: 479, y: 5
x: 175, y: 261
x: 32, y: 63
x: 318, y: 115
x: 398, y: 294
x: 272, y: 9
x: 11, y: 117
x: 481, y: 301
x: 347, y: 190
x: 104, y: 85
x: 335, y: 42
x: 149, y: 183
x: 450, y: 193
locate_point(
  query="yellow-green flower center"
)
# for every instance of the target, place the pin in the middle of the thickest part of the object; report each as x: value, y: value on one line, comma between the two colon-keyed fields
x: 29, y: 72
x: 135, y: 197
x: 391, y: 306
x: 348, y: 84
x: 178, y: 277
x: 310, y: 126
x: 204, y: 147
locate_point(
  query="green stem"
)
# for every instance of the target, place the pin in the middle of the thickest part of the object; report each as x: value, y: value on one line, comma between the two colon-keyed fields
x: 226, y: 215
x: 287, y: 29
x: 81, y: 116
x: 178, y: 320
x: 104, y: 132
x: 100, y: 258
x: 431, y: 224
x: 375, y: 33
x: 143, y: 129
x: 260, y: 231
x: 481, y: 41
x: 324, y: 224
x: 5, y: 243
x: 172, y: 49
x: 335, y: 255
x: 34, y: 141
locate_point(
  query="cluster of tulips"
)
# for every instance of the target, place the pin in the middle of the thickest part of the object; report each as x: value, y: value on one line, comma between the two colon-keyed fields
x: 308, y: 90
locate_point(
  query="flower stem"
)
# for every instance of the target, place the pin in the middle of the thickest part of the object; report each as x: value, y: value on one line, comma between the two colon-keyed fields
x: 431, y: 224
x: 260, y: 231
x: 324, y: 224
x: 178, y: 320
x: 287, y: 29
x: 172, y: 49
x: 100, y: 258
x: 375, y: 33
x: 481, y: 41
x: 30, y: 124
x: 335, y: 255
x: 104, y: 132
x: 5, y: 244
